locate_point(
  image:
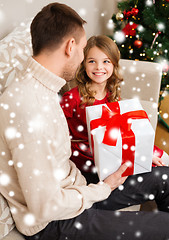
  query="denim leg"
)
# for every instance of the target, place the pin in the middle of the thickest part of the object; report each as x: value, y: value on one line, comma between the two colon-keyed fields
x: 96, y: 224
x: 140, y: 188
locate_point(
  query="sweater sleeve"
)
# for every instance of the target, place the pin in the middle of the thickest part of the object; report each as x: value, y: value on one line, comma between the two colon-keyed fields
x: 45, y: 182
x: 52, y: 191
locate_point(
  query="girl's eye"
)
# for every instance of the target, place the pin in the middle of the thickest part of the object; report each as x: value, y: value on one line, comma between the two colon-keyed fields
x: 107, y: 61
x: 91, y: 61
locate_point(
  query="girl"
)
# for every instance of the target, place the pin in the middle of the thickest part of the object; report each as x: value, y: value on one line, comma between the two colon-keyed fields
x: 98, y: 81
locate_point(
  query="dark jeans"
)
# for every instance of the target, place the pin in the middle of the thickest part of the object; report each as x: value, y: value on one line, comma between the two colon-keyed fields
x: 103, y: 222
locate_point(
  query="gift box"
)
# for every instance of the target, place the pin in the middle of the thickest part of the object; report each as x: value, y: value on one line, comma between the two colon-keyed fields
x: 120, y: 132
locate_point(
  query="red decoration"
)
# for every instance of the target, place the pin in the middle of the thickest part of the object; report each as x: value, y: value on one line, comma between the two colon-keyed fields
x: 134, y: 11
x: 130, y: 29
x: 138, y: 43
x: 127, y: 14
x: 112, y: 119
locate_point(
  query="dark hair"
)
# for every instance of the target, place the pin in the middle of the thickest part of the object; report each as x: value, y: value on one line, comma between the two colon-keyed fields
x: 52, y: 24
x: 109, y: 47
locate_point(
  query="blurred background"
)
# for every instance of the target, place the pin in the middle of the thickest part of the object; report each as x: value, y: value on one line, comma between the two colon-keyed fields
x: 96, y: 12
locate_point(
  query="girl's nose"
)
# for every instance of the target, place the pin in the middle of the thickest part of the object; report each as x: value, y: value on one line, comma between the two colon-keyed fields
x: 99, y: 66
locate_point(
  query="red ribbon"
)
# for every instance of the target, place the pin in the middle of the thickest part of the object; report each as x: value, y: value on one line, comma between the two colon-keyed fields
x: 113, y: 120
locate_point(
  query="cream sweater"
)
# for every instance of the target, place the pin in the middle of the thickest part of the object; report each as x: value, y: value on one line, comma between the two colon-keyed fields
x: 37, y: 178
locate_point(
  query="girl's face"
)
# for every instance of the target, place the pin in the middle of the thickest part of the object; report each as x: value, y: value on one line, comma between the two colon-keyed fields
x: 99, y: 68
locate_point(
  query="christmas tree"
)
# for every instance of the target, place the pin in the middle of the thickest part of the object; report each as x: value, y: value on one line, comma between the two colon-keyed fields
x: 141, y: 31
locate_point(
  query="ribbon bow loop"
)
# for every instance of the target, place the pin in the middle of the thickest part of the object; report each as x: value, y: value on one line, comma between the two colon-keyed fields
x: 115, y: 122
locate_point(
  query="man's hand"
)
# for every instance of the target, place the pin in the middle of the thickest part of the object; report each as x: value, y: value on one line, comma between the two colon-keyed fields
x: 115, y: 179
x: 157, y: 161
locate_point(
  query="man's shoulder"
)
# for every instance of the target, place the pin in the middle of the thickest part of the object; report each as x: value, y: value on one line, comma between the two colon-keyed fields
x: 17, y: 98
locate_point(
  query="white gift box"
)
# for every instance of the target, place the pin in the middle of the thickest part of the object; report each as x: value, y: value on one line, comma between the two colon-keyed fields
x: 109, y: 158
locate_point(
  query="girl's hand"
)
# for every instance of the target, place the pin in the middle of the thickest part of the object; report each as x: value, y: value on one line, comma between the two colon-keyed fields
x: 115, y: 179
x: 157, y: 161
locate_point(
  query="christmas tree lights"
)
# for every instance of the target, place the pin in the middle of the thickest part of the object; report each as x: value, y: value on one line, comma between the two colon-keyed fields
x: 141, y: 31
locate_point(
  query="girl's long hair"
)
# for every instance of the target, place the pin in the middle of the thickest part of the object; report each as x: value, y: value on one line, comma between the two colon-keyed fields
x: 108, y: 46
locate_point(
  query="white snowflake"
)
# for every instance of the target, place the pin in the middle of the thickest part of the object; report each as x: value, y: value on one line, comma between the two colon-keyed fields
x: 29, y: 219
x: 36, y: 172
x: 79, y: 196
x: 132, y: 148
x: 105, y: 170
x: 88, y: 163
x: 37, y: 123
x: 110, y: 24
x: 138, y: 234
x: 157, y: 173
x: 13, y: 210
x: 131, y: 223
x: 164, y: 176
x: 18, y: 134
x: 121, y: 187
x: 132, y: 182
x: 78, y: 225
x: 128, y: 164
x: 119, y: 36
x: 114, y: 133
x: 80, y: 128
x: 4, y: 179
x: 21, y: 146
x: 59, y: 174
x: 10, y: 163
x: 143, y: 158
x: 55, y: 208
x: 117, y: 213
x: 82, y: 12
x: 125, y: 146
x: 82, y: 146
x: 75, y: 153
x: 11, y: 193
x: 94, y: 169
x: 165, y: 115
x: 151, y: 196
x: 149, y: 3
x: 19, y: 164
x: 6, y: 106
x: 132, y: 69
x: 140, y: 179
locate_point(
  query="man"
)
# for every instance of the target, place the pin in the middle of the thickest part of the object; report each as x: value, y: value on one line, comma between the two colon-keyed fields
x: 48, y: 196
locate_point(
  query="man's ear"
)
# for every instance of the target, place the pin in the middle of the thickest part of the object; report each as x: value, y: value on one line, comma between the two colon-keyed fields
x: 70, y: 47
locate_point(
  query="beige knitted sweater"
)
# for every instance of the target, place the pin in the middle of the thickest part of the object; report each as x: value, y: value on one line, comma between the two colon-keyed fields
x: 37, y: 178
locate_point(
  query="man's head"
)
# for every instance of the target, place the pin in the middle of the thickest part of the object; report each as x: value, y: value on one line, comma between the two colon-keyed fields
x: 52, y: 25
x: 58, y: 39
